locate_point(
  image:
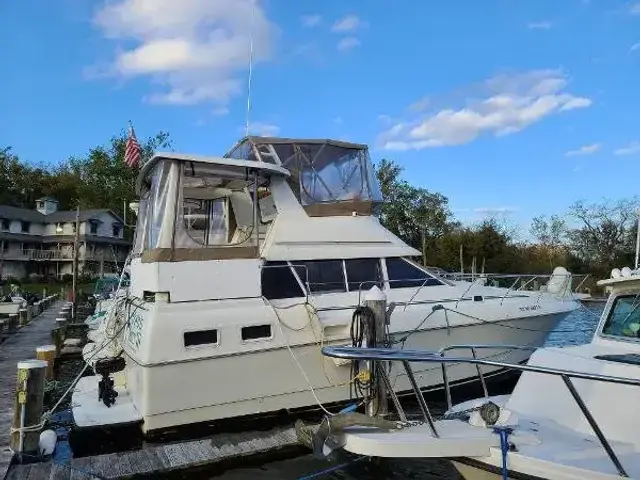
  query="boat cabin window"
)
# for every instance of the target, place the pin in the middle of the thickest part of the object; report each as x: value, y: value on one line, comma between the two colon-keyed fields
x: 278, y: 281
x: 363, y: 273
x: 200, y: 337
x: 322, y: 276
x: 624, y: 318
x: 404, y: 274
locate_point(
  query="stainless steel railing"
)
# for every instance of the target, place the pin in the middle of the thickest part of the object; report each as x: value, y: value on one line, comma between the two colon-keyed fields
x: 406, y: 357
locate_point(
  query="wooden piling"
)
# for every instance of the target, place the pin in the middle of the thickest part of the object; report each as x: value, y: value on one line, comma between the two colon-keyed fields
x: 22, y: 316
x: 376, y: 300
x: 58, y: 340
x: 48, y: 354
x: 28, y: 406
x: 13, y: 323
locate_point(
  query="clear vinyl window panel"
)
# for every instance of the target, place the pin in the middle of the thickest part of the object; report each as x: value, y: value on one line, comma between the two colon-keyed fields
x: 205, y: 221
x: 624, y: 318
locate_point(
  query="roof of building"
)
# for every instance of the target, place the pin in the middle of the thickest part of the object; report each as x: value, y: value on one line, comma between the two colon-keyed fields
x: 62, y: 216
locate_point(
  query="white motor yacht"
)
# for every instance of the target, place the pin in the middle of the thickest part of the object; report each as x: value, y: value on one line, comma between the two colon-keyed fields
x: 571, y: 415
x: 244, y: 266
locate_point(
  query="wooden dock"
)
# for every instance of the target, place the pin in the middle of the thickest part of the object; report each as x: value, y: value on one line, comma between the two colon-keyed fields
x: 159, y: 459
x: 17, y: 347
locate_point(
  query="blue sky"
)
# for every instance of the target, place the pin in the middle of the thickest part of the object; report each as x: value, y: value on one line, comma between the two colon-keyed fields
x: 514, y: 106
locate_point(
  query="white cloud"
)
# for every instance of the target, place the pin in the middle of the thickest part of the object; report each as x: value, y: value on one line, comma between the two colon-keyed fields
x: 338, y: 120
x: 584, y: 150
x: 347, y: 43
x: 635, y: 9
x: 507, y: 104
x: 635, y: 47
x: 350, y: 23
x: 263, y: 129
x: 543, y: 25
x: 420, y: 105
x: 631, y: 149
x: 311, y: 20
x: 195, y: 49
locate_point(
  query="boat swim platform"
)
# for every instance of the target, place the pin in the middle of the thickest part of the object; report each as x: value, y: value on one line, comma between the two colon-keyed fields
x: 456, y: 439
x: 159, y: 459
x: 89, y: 413
x: 17, y: 347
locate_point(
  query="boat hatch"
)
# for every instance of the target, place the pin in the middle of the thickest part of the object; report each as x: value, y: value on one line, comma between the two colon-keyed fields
x: 202, y: 208
x: 328, y: 177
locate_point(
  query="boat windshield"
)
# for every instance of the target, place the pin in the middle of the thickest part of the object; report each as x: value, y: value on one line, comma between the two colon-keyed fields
x: 624, y: 318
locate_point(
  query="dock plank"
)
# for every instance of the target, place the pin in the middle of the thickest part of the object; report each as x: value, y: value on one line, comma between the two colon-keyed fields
x: 164, y: 458
x: 60, y: 472
x: 19, y: 346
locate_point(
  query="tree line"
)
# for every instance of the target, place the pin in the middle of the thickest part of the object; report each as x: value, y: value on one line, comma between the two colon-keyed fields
x: 588, y: 238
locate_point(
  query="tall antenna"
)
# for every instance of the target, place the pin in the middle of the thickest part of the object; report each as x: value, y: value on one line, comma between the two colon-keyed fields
x: 253, y: 11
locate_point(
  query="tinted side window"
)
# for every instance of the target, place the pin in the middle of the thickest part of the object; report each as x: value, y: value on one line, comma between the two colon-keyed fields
x: 278, y: 281
x: 363, y: 273
x: 404, y: 275
x: 624, y: 318
x: 323, y: 275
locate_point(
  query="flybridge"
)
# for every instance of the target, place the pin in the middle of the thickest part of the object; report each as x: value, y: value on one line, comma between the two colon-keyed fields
x: 323, y: 172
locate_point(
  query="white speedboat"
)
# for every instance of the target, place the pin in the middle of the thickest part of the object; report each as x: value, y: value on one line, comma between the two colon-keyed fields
x: 244, y: 266
x: 571, y: 415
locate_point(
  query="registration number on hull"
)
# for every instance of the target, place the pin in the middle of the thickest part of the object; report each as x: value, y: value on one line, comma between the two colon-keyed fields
x: 530, y: 308
x: 134, y: 330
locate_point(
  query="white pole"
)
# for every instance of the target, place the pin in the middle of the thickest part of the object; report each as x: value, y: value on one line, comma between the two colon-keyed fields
x: 638, y: 240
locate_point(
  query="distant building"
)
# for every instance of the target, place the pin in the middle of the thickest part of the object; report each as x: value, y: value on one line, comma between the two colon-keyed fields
x: 40, y: 241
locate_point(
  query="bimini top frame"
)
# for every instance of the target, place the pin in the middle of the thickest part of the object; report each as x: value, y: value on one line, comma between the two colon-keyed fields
x: 226, y: 165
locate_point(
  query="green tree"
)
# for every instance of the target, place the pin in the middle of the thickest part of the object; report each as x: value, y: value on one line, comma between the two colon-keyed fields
x: 106, y: 181
x: 606, y: 231
x: 550, y: 234
x: 415, y: 214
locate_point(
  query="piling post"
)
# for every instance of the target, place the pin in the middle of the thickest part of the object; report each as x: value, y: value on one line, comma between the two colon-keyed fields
x: 48, y: 354
x: 3, y: 327
x: 22, y: 315
x: 58, y: 340
x: 61, y: 325
x: 376, y: 300
x: 27, y: 410
x: 13, y: 323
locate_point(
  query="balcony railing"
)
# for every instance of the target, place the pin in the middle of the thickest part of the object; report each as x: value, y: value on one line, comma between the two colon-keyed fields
x: 59, y: 255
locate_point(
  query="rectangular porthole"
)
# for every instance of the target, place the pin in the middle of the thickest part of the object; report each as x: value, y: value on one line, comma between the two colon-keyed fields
x: 256, y: 332
x: 200, y: 337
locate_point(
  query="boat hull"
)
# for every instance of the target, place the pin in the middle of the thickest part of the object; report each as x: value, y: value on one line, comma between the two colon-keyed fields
x: 264, y: 381
x: 474, y: 470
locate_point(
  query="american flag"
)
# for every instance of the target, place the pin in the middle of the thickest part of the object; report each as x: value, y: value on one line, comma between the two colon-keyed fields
x: 132, y: 149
